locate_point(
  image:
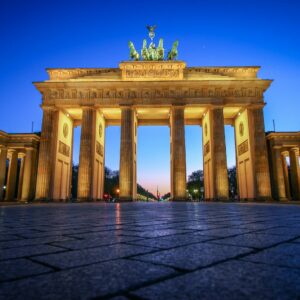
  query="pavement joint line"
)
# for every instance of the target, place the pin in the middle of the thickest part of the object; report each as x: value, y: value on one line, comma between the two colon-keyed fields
x: 239, y: 256
x: 267, y: 264
x: 30, y: 256
x: 261, y: 249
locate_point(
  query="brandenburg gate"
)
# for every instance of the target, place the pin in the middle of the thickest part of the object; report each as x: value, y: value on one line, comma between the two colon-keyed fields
x: 159, y: 91
x: 152, y: 93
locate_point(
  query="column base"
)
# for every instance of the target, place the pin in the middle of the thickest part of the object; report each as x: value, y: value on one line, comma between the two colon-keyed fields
x: 125, y: 199
x: 217, y: 199
x: 180, y: 200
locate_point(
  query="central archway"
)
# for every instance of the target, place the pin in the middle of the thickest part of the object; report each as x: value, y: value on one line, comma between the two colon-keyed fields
x: 153, y: 159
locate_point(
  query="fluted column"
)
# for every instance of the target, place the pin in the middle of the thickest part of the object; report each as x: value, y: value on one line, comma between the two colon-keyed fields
x: 278, y: 175
x: 127, y: 181
x: 12, y: 175
x: 21, y: 173
x: 219, y: 155
x: 295, y: 173
x: 214, y: 155
x: 286, y: 174
x: 86, y: 155
x: 28, y: 171
x: 260, y: 155
x: 178, y: 160
x: 46, y: 162
x: 3, y: 158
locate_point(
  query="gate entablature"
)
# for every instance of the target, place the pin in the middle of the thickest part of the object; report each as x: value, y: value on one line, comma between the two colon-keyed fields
x: 153, y: 84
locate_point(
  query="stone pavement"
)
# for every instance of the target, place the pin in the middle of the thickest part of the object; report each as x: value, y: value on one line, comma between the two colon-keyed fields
x: 150, y: 251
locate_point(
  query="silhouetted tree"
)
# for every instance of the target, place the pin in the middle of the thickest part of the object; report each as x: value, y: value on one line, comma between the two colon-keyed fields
x: 166, y: 196
x: 195, y: 184
x: 233, y: 192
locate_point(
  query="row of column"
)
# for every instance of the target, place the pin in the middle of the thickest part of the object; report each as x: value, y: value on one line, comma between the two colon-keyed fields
x: 91, y: 161
x: 286, y: 186
x: 214, y: 155
x: 25, y: 189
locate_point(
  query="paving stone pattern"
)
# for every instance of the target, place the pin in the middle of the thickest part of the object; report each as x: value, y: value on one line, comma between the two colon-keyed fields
x: 150, y: 251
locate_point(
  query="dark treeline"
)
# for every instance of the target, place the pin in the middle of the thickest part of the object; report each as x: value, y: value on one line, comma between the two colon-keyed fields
x: 195, y: 184
x: 111, y: 184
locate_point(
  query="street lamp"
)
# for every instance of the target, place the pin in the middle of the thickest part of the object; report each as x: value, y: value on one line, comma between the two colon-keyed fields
x: 195, y: 193
x: 118, y: 192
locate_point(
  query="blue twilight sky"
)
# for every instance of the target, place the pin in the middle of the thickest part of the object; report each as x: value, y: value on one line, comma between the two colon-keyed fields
x: 40, y: 34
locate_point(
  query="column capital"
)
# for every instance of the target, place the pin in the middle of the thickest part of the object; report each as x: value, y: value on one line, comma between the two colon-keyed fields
x: 21, y: 155
x: 213, y: 107
x: 295, y: 149
x: 178, y: 105
x: 285, y: 153
x: 256, y: 106
x: 11, y: 150
x: 128, y: 106
x: 49, y: 108
x: 88, y: 107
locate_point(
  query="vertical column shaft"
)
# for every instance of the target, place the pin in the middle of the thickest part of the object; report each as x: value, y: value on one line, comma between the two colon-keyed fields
x: 214, y: 155
x: 3, y: 158
x: 71, y: 164
x: 28, y: 173
x: 12, y: 176
x: 127, y: 155
x: 219, y: 155
x: 260, y: 155
x: 45, y: 155
x: 295, y: 173
x: 86, y: 155
x: 285, y: 175
x: 21, y: 174
x: 178, y: 167
x: 278, y: 175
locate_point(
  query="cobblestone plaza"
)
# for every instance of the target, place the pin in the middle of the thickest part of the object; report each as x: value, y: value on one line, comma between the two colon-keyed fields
x: 150, y: 251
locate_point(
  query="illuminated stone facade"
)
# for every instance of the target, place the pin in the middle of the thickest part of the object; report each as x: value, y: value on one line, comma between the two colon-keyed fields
x: 18, y: 166
x: 283, y: 146
x: 156, y: 93
x: 153, y: 93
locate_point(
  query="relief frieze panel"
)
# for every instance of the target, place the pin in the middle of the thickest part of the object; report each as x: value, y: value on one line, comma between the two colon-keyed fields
x: 243, y: 148
x: 63, y: 149
x: 151, y: 93
x: 206, y: 148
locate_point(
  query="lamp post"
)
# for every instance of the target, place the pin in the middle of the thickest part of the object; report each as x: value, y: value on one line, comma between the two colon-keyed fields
x: 195, y: 193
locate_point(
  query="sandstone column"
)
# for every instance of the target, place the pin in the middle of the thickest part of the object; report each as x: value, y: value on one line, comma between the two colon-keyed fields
x: 178, y: 160
x: 86, y: 155
x: 214, y: 152
x: 286, y: 174
x: 278, y: 175
x: 28, y: 173
x: 127, y: 179
x: 295, y: 173
x: 3, y: 158
x: 12, y: 175
x: 260, y: 155
x: 46, y: 162
x: 21, y: 173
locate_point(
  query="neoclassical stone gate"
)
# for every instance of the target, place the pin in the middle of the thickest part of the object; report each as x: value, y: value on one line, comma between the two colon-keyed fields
x: 152, y: 93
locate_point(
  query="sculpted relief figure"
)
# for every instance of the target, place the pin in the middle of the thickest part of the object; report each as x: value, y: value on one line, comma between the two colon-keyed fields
x: 173, y: 53
x: 134, y: 55
x: 144, y: 51
x: 160, y: 50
